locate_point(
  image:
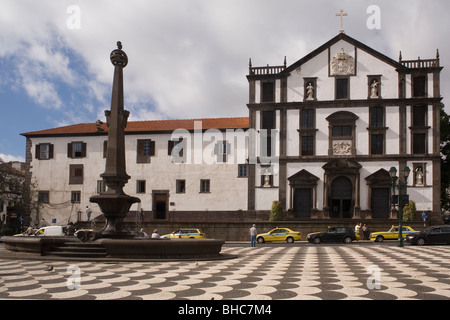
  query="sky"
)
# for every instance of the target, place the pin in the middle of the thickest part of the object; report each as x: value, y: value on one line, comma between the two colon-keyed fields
x: 186, y: 58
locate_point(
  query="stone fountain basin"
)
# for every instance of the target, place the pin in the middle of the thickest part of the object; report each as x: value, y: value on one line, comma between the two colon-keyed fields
x: 136, y: 248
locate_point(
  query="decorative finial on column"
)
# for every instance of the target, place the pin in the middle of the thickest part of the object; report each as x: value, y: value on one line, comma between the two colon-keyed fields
x: 118, y: 57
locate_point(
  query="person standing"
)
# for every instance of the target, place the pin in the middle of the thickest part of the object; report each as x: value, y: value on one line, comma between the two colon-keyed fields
x: 253, y: 234
x: 88, y: 213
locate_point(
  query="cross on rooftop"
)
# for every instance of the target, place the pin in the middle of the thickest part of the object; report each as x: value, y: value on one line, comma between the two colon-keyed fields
x: 341, y: 14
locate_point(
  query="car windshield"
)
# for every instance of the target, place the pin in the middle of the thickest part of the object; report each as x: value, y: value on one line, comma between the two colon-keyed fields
x: 428, y: 230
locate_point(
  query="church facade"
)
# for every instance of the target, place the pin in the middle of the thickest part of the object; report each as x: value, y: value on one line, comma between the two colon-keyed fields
x: 321, y: 137
x: 335, y: 122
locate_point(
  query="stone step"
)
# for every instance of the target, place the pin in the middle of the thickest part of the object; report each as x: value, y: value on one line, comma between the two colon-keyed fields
x: 75, y: 249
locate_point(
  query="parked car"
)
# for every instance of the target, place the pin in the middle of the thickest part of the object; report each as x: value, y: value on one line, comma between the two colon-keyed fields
x: 279, y: 234
x: 333, y: 234
x: 446, y: 217
x: 186, y: 233
x: 46, y: 231
x: 25, y: 234
x: 431, y: 235
x: 392, y: 234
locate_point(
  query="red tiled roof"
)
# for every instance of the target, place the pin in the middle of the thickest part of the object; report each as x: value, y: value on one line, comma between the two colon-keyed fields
x: 147, y: 126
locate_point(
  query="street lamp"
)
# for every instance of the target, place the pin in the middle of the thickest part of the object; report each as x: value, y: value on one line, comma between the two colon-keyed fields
x: 402, y: 184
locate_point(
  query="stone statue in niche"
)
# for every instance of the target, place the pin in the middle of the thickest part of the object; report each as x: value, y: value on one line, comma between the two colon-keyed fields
x: 310, y: 92
x: 419, y: 176
x: 266, y: 180
x: 374, y: 89
x: 342, y: 64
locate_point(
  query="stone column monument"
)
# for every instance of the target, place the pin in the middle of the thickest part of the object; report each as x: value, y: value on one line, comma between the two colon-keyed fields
x: 114, y: 203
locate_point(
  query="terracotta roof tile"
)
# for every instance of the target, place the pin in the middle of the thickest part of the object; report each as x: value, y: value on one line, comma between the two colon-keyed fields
x: 147, y: 126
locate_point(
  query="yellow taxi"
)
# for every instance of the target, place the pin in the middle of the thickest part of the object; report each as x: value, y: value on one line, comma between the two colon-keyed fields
x: 392, y: 234
x: 279, y: 234
x: 186, y: 233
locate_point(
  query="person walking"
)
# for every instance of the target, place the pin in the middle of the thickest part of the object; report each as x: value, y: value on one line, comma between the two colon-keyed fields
x: 253, y: 234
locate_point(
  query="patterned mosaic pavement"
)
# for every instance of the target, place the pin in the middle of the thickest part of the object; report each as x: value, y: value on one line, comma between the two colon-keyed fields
x: 300, y: 271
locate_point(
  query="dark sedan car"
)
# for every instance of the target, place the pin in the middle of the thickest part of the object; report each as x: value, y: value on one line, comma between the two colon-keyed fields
x: 431, y: 235
x: 333, y: 234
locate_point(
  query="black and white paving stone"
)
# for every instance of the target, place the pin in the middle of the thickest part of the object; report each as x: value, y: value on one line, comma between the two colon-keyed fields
x: 300, y: 272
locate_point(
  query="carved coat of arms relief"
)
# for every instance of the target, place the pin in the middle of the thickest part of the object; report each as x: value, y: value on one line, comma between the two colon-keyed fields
x: 342, y: 64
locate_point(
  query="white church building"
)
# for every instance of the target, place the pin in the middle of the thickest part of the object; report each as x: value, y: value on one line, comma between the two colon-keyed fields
x: 321, y: 137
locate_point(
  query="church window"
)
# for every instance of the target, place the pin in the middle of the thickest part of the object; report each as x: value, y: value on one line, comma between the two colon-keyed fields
x: 267, y: 92
x: 342, y: 88
x: 307, y: 145
x: 342, y: 131
x: 419, y: 116
x: 376, y: 117
x: 376, y: 143
x: 419, y: 86
x: 307, y: 119
x: 419, y: 143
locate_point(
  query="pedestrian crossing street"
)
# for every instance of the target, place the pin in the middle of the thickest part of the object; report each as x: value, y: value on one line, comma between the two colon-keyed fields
x: 300, y: 272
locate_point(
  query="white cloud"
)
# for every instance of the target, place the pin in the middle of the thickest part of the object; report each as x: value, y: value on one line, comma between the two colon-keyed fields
x: 189, y: 58
x: 8, y: 158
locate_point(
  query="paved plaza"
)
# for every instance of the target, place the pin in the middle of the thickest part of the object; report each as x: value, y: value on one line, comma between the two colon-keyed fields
x: 267, y: 272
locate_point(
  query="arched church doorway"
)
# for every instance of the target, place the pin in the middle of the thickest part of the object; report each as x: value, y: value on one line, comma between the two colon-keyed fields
x: 341, y: 198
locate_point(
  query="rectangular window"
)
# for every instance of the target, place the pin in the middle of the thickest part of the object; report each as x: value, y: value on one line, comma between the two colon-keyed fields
x: 44, y: 151
x: 181, y: 186
x: 268, y: 120
x: 43, y: 197
x: 419, y: 116
x: 268, y: 92
x: 307, y: 145
x: 419, y: 143
x: 342, y: 131
x: 376, y: 144
x: 377, y: 117
x: 242, y: 170
x: 75, y: 197
x: 145, y: 150
x: 307, y: 119
x: 204, y: 186
x: 76, y: 150
x: 76, y: 174
x: 342, y: 88
x: 140, y: 186
x: 419, y: 86
x: 101, y: 187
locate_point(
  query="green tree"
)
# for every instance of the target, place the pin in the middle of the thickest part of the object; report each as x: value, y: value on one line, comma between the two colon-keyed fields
x: 409, y: 211
x: 276, y: 214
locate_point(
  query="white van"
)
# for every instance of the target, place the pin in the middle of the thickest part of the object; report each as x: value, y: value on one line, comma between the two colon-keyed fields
x: 51, y: 231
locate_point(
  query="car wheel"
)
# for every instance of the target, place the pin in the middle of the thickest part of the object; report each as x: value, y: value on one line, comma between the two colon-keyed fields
x: 379, y: 239
x: 316, y: 240
x: 420, y: 241
x: 347, y: 240
x: 260, y: 240
x: 290, y: 240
